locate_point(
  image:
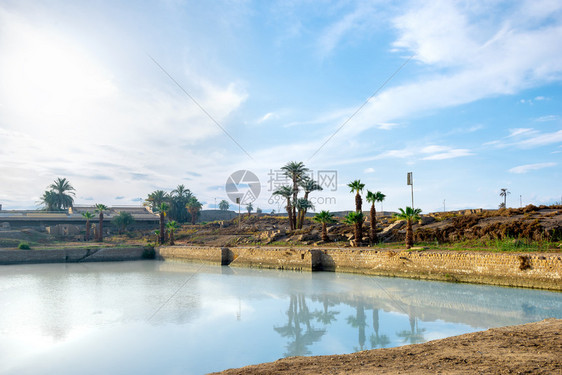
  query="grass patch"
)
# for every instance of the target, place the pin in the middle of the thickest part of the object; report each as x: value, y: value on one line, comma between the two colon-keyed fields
x: 23, y: 245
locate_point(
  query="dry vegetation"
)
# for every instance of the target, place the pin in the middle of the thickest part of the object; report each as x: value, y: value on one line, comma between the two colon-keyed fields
x: 529, y: 228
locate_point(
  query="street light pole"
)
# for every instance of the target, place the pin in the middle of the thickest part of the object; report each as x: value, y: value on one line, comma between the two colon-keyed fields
x: 410, y: 181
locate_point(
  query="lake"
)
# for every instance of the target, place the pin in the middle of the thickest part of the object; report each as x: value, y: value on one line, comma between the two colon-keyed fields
x: 154, y: 317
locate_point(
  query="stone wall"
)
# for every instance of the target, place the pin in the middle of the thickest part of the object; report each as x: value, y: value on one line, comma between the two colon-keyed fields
x: 104, y: 254
x: 530, y: 270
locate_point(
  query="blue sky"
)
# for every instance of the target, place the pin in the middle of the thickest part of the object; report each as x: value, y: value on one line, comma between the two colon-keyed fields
x: 472, y: 106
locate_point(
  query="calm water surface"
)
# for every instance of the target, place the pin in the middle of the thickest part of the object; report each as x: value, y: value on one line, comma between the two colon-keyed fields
x: 151, y: 317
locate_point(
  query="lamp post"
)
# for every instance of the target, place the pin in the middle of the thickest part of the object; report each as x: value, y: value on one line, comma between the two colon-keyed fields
x: 410, y: 181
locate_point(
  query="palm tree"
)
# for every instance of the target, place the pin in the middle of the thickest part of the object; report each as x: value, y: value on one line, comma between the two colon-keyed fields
x: 357, y: 187
x: 64, y: 192
x: 88, y: 216
x: 155, y: 199
x: 163, y: 209
x: 503, y: 193
x: 296, y: 172
x: 99, y: 208
x: 171, y: 226
x: 410, y: 214
x: 178, y: 199
x: 324, y: 218
x: 49, y: 200
x: 302, y: 205
x: 372, y: 198
x: 286, y: 192
x: 249, y: 208
x: 193, y: 206
x: 308, y: 185
x: 223, y: 205
x: 356, y: 219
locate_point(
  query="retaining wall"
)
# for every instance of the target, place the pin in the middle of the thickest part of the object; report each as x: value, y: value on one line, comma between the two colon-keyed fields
x: 104, y: 254
x: 530, y: 270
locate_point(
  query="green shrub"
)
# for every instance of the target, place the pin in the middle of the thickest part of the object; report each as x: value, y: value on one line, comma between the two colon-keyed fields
x: 24, y: 246
x: 148, y: 253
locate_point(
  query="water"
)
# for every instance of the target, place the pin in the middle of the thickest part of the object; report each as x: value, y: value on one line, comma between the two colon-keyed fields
x: 154, y: 317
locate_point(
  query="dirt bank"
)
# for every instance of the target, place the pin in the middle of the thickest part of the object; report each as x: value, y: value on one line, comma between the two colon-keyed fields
x: 534, y: 348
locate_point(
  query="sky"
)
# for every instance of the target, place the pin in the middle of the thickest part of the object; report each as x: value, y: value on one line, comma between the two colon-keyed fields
x: 126, y: 97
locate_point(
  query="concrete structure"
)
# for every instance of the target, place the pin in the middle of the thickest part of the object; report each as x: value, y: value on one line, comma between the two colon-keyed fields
x: 532, y: 270
x: 93, y: 254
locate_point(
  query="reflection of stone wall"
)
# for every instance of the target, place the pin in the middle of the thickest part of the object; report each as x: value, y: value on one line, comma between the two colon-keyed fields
x: 509, y: 269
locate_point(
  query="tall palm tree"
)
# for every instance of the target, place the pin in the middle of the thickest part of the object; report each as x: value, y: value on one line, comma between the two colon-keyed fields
x: 64, y: 193
x: 409, y: 214
x: 171, y: 226
x: 356, y: 219
x: 178, y: 198
x: 163, y: 209
x: 88, y: 216
x: 373, y: 198
x: 296, y: 172
x: 286, y: 192
x: 99, y: 209
x: 357, y: 187
x: 308, y: 185
x: 302, y: 205
x: 503, y: 193
x: 249, y: 208
x: 324, y: 218
x: 193, y: 206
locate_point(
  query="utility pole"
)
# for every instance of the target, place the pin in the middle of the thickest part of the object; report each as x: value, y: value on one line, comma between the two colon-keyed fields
x: 444, y: 205
x: 410, y: 181
x: 520, y: 200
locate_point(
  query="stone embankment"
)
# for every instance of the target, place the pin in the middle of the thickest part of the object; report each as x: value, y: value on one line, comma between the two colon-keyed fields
x: 94, y: 254
x: 531, y: 270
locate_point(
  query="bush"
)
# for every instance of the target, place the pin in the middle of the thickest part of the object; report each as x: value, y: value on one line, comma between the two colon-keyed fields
x: 148, y: 253
x: 24, y: 246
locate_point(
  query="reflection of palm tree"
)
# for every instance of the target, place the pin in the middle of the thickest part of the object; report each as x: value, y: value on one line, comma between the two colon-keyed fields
x: 325, y: 317
x: 415, y: 334
x: 377, y: 341
x: 299, y: 315
x: 359, y: 321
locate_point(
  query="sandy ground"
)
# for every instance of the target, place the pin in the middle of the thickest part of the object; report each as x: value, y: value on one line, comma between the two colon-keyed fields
x: 534, y: 348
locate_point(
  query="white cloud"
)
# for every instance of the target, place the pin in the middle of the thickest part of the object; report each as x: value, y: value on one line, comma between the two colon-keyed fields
x: 547, y: 118
x: 266, y: 117
x: 369, y: 170
x: 530, y: 167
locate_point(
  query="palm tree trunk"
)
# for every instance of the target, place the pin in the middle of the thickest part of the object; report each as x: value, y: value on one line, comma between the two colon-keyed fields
x: 87, y: 230
x: 409, y: 234
x: 373, y: 229
x: 100, y: 231
x: 357, y: 234
x: 324, y: 233
x: 290, y: 213
x: 172, y: 238
x: 162, y: 232
x: 358, y: 202
x: 295, y: 194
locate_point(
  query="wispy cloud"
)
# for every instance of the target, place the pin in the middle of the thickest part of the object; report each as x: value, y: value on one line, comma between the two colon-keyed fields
x: 527, y: 138
x: 530, y: 167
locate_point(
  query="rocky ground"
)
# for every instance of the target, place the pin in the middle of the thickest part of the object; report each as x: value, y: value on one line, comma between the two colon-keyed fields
x: 534, y: 348
x: 529, y: 224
